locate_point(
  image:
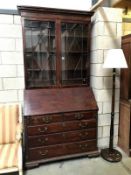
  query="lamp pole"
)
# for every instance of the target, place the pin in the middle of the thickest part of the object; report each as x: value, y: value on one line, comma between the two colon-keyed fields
x: 112, y: 110
x: 110, y: 154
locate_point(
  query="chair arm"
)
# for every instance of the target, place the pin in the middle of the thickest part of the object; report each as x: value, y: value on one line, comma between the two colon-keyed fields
x: 19, y: 131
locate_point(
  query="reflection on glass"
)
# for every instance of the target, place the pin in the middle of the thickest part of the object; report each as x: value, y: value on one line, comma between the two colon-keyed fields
x: 40, y: 53
x: 74, y: 53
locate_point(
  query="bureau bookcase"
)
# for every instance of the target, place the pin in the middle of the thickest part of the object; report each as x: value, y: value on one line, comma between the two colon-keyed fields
x: 60, y: 111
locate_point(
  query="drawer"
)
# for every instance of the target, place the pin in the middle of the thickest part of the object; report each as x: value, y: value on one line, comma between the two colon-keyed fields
x: 61, y: 149
x: 45, y: 119
x: 71, y: 136
x: 60, y: 127
x: 79, y: 115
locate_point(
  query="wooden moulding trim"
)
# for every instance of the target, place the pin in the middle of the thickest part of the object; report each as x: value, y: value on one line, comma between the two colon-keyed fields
x: 46, y: 10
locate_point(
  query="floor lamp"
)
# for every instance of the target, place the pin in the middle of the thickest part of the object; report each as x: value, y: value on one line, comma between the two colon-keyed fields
x: 114, y: 59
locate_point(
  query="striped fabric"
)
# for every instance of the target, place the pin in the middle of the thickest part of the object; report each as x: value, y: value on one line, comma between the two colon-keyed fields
x: 8, y: 121
x: 8, y: 155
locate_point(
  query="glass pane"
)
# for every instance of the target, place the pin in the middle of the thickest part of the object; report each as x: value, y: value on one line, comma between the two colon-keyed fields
x: 75, y: 59
x: 40, y: 53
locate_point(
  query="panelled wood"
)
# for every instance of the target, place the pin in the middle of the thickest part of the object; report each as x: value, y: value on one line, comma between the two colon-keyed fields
x: 62, y: 149
x: 59, y: 127
x: 45, y: 119
x: 124, y: 140
x: 49, y: 128
x: 62, y: 137
x: 60, y: 111
x: 124, y: 137
x: 125, y: 86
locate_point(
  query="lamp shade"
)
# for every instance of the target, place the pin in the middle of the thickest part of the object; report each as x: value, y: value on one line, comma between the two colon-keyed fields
x: 115, y: 59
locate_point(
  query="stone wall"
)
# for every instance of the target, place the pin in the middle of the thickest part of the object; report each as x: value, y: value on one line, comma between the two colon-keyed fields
x: 11, y: 59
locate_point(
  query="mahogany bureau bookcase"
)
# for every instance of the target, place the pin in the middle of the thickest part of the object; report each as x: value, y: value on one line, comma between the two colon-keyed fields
x: 60, y: 111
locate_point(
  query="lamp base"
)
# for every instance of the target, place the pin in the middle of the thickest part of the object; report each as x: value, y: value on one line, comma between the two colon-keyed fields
x: 111, y: 155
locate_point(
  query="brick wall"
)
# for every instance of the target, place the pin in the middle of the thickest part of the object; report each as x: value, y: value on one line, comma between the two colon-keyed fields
x: 106, y: 34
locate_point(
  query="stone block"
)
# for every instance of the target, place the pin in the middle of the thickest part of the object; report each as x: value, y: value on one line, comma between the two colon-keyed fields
x: 108, y: 14
x: 17, y: 19
x: 119, y: 29
x: 100, y: 107
x: 7, y: 44
x: 106, y: 131
x: 6, y: 19
x: 20, y: 71
x: 1, y: 85
x: 104, y: 120
x: 107, y: 107
x: 0, y: 58
x: 8, y: 96
x: 19, y: 45
x: 10, y: 31
x: 102, y: 95
x: 13, y: 83
x: 98, y: 70
x: 7, y: 71
x: 110, y: 29
x: 105, y: 42
x: 97, y: 29
x: 97, y: 56
x: 100, y: 131
x: 103, y: 142
x: 12, y: 57
x: 20, y: 95
x: 97, y: 82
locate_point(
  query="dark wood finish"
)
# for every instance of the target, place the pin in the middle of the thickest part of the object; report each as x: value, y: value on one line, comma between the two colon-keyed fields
x: 46, y: 101
x: 61, y: 149
x: 124, y: 137
x: 124, y: 140
x: 125, y: 86
x: 110, y: 154
x: 59, y: 127
x: 47, y: 64
x: 64, y: 137
x: 60, y: 111
x: 46, y: 119
x: 59, y: 118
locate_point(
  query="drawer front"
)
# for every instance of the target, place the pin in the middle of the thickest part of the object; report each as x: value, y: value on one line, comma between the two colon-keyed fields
x: 71, y: 136
x: 60, y: 127
x: 46, y: 119
x: 61, y: 149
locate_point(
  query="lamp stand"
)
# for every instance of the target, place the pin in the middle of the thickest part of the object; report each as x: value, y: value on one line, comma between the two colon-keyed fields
x: 110, y: 154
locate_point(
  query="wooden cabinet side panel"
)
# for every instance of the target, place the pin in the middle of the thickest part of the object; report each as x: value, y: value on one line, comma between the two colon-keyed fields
x: 125, y: 73
x: 124, y: 127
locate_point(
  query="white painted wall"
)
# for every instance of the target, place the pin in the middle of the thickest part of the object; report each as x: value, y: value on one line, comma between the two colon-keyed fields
x: 65, y: 4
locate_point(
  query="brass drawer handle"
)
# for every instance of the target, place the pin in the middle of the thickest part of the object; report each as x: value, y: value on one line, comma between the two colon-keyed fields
x: 43, y: 153
x: 42, y: 140
x: 83, y: 147
x: 79, y: 116
x: 42, y: 130
x: 83, y: 125
x: 47, y: 119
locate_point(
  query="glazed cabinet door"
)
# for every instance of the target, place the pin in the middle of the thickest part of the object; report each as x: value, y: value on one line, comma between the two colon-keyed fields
x: 74, y: 53
x: 40, y: 53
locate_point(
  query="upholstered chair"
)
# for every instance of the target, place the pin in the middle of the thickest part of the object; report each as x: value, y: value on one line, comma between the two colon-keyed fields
x: 10, y: 138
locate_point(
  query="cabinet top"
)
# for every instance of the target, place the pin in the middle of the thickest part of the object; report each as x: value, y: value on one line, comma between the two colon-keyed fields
x: 45, y: 10
x: 48, y: 101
